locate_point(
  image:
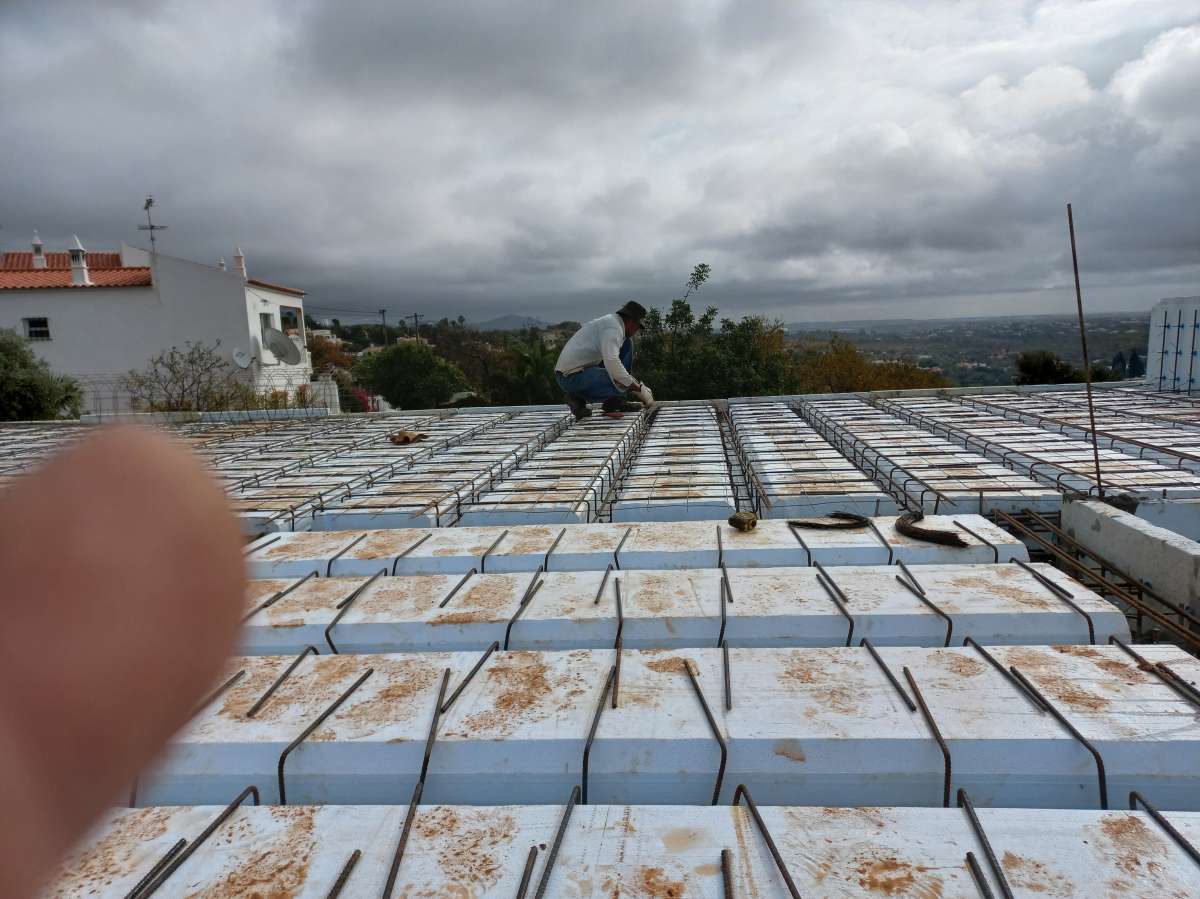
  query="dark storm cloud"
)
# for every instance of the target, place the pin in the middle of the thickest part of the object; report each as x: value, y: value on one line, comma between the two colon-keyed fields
x: 848, y: 160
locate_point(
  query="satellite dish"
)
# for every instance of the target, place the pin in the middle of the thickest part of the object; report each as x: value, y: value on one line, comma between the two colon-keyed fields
x: 281, y: 345
x: 241, y: 358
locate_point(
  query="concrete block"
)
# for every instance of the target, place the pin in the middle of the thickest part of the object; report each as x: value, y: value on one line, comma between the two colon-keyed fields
x: 649, y: 851
x: 819, y: 726
x: 685, y: 544
x: 671, y: 609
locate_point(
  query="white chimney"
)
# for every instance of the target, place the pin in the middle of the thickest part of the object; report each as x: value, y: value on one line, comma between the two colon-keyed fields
x: 239, y: 262
x: 221, y: 264
x: 39, y: 257
x: 79, y: 269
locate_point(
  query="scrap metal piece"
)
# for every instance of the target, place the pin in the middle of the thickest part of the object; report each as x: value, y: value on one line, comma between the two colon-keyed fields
x: 834, y: 521
x: 907, y: 525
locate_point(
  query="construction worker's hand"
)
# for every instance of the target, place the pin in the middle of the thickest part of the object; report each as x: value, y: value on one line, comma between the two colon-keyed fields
x: 646, y: 397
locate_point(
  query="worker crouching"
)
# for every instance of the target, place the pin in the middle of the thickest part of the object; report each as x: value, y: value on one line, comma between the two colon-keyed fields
x: 594, y: 365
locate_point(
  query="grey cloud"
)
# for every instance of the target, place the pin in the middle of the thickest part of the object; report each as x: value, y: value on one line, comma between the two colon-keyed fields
x: 553, y: 159
x: 480, y: 51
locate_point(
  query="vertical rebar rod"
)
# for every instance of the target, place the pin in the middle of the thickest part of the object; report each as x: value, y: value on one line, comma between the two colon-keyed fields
x: 1087, y: 364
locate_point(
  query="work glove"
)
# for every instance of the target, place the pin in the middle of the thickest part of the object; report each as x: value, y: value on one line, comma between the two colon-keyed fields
x: 646, y: 397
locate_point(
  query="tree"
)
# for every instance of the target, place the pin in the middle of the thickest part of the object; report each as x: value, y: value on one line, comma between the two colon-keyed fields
x: 1137, y: 367
x: 1045, y: 367
x: 326, y: 353
x: 684, y: 357
x: 1119, y: 366
x: 696, y: 279
x: 838, y: 366
x: 29, y: 390
x: 534, y: 380
x: 409, y: 375
x: 194, y: 379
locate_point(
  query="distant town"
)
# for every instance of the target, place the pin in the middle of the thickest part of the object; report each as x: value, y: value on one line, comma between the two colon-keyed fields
x: 982, y: 351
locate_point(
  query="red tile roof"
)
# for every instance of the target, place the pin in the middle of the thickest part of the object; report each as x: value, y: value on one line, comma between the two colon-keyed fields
x: 55, y: 278
x: 269, y: 286
x: 23, y: 261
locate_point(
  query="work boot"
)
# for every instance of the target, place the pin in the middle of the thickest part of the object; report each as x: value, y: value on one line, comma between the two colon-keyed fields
x: 578, y: 406
x: 620, y: 404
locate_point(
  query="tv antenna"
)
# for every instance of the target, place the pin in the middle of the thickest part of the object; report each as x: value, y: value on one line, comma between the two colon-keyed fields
x: 150, y: 226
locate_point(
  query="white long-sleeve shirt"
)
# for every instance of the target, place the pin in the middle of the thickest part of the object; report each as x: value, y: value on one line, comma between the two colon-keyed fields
x: 599, y: 340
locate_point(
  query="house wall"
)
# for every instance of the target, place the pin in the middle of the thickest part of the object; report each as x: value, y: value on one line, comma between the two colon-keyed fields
x: 203, y: 304
x: 98, y: 334
x: 268, y: 369
x: 108, y: 331
x: 93, y: 331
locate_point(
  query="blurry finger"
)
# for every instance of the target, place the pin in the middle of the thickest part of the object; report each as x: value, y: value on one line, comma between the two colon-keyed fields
x: 121, y: 575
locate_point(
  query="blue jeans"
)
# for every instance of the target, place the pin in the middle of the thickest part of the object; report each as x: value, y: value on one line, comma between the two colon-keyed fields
x: 593, y: 382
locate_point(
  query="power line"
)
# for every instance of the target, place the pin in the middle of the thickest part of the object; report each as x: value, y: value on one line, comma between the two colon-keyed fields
x: 325, y: 308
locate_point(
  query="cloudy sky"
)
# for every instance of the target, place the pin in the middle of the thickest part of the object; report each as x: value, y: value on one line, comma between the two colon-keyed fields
x: 830, y: 160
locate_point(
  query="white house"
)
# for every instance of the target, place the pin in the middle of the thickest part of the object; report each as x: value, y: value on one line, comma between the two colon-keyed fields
x: 97, y: 315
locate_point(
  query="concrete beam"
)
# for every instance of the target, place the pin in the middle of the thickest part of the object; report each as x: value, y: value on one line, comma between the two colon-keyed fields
x: 1166, y: 562
x: 994, y: 604
x: 643, y: 851
x: 592, y: 547
x: 806, y: 726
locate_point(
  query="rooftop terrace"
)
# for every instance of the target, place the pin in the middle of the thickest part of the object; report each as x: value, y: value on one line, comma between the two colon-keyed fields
x: 525, y: 656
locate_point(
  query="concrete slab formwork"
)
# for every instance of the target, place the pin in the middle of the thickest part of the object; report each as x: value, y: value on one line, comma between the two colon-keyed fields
x: 801, y: 726
x: 1166, y: 443
x: 679, y: 473
x: 324, y: 470
x: 432, y: 489
x: 1178, y: 412
x: 687, y: 544
x: 567, y: 481
x: 994, y: 604
x: 25, y: 446
x: 648, y: 851
x: 1052, y: 458
x: 795, y: 471
x: 925, y: 471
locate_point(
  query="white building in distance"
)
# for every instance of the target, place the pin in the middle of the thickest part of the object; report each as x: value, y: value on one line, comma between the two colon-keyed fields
x: 1171, y: 361
x: 98, y: 315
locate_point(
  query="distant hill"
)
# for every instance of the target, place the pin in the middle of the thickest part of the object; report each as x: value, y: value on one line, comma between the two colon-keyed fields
x: 508, y: 323
x: 886, y: 325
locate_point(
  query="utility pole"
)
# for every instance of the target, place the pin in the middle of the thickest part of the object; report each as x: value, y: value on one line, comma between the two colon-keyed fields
x: 416, y: 317
x: 383, y: 317
x: 150, y: 226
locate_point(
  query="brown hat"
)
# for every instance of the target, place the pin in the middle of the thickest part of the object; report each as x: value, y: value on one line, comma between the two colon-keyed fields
x: 634, y: 310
